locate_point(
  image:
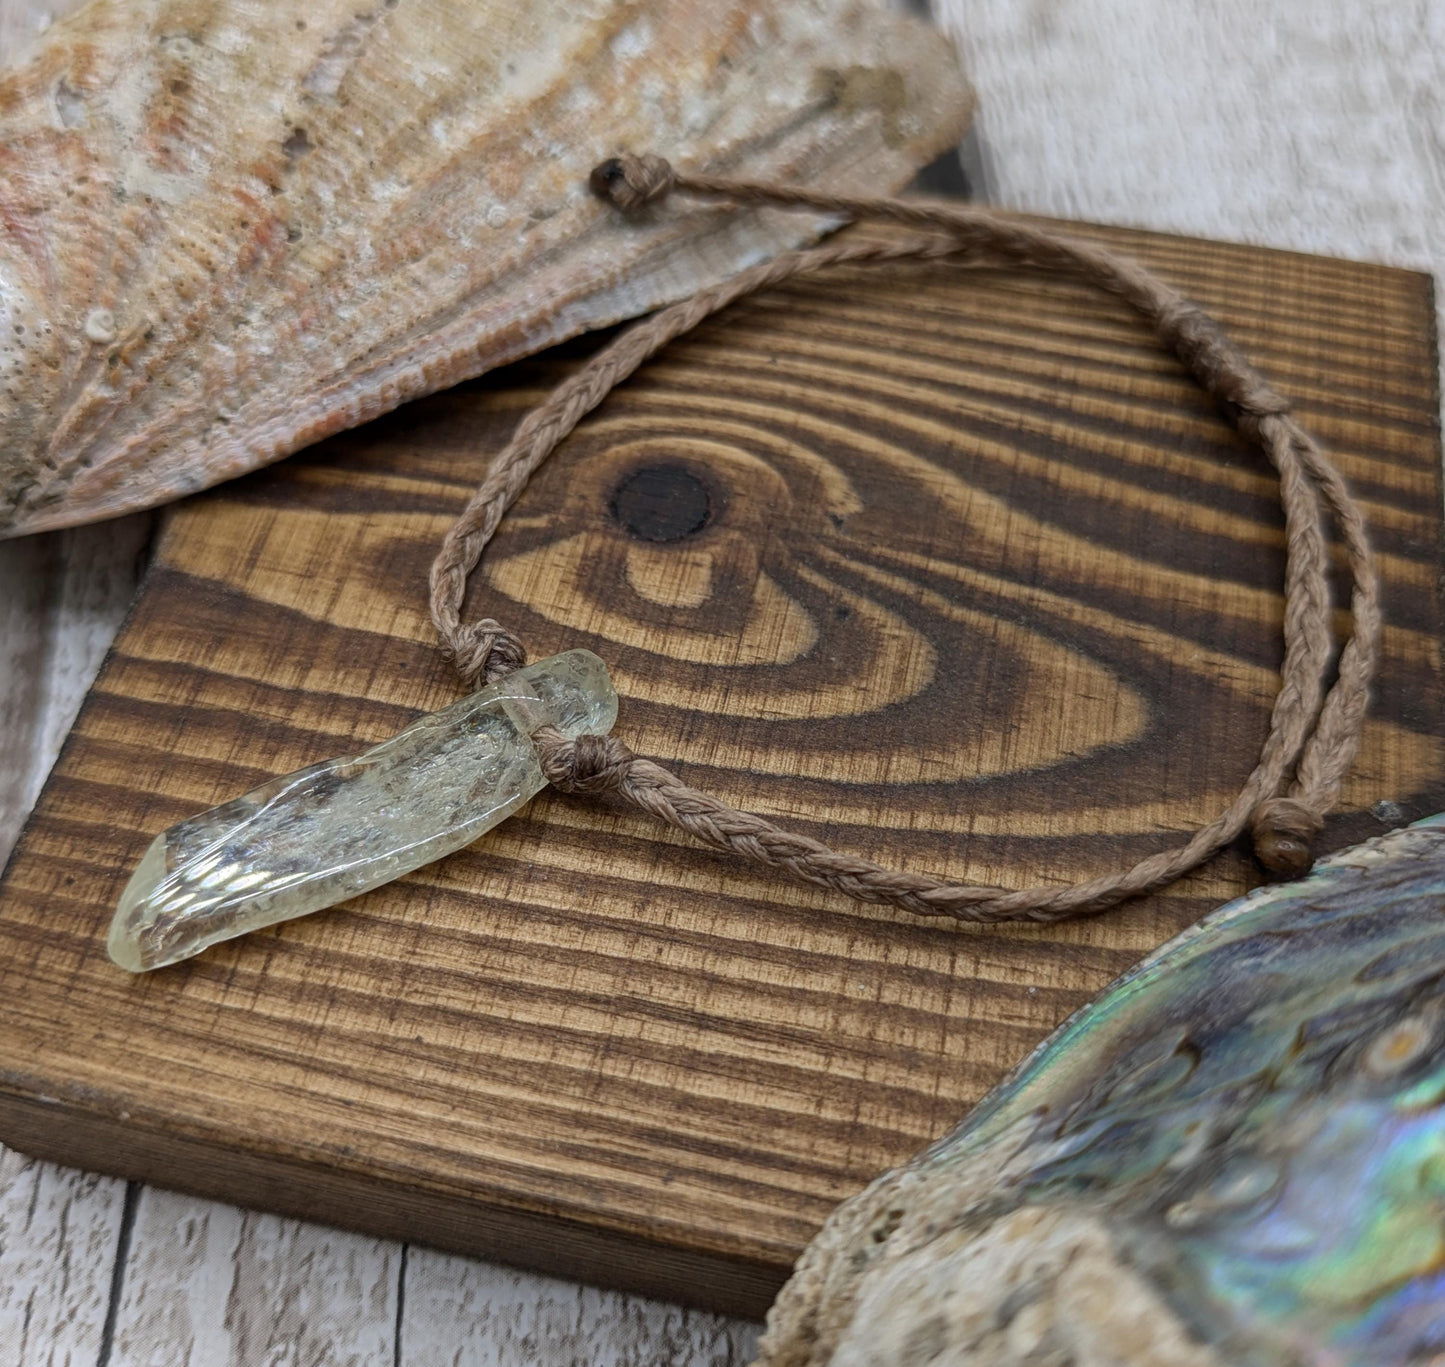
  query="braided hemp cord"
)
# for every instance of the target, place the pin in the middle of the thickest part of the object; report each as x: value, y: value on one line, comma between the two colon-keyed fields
x: 1314, y: 731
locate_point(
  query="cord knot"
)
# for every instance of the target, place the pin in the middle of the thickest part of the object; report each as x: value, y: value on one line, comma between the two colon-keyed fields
x: 1203, y: 345
x: 1284, y: 832
x: 483, y: 651
x: 630, y: 182
x: 589, y: 764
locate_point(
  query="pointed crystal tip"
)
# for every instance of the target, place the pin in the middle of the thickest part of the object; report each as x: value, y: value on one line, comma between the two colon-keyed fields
x: 323, y: 834
x: 131, y: 941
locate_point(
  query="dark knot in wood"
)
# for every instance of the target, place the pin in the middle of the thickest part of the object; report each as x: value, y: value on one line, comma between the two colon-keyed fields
x: 662, y: 503
x: 1285, y: 831
x: 589, y: 764
x: 628, y: 183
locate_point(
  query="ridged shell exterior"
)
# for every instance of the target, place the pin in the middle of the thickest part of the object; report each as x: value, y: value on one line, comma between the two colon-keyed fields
x: 231, y: 227
x: 1235, y: 1157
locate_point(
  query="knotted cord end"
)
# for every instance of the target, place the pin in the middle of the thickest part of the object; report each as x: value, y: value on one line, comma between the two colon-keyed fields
x: 589, y: 764
x: 483, y: 651
x: 1285, y: 831
x: 629, y: 183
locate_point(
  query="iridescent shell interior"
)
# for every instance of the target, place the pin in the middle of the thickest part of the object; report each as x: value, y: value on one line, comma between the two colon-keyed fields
x: 1235, y: 1155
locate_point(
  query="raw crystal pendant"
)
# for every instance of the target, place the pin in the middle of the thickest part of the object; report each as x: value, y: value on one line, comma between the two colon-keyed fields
x: 326, y: 833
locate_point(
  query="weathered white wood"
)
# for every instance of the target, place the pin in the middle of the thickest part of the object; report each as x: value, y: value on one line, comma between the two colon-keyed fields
x: 92, y: 586
x: 1320, y: 126
x: 461, y: 1313
x: 58, y: 1234
x: 64, y: 597
x: 26, y: 569
x: 207, y: 1285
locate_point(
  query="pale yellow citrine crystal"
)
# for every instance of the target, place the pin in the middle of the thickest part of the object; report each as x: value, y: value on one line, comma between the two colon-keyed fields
x: 323, y: 834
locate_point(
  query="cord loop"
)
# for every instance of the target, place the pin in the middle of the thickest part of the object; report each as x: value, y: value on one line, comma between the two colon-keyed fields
x: 1314, y: 728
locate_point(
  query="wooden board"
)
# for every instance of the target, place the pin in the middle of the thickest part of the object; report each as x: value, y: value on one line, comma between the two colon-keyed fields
x: 983, y: 585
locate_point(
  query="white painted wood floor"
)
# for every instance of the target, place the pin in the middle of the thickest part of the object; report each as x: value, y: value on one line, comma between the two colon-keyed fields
x: 1319, y: 126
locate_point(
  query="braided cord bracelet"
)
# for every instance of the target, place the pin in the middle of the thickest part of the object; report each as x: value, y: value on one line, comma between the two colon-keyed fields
x: 1314, y: 727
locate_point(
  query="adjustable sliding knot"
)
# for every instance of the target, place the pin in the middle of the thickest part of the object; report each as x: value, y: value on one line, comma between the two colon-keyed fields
x: 589, y: 764
x: 483, y: 651
x: 1198, y: 340
x: 629, y: 182
x: 1285, y: 831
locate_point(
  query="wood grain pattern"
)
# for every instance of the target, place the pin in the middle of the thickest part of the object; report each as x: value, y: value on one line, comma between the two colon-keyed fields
x: 985, y: 587
x: 63, y: 1261
x: 1361, y: 175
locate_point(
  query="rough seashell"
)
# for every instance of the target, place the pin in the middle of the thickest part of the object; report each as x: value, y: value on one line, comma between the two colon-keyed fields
x: 1234, y: 1157
x: 228, y: 229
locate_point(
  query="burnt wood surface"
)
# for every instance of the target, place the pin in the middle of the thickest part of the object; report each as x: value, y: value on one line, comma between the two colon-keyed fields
x: 952, y: 568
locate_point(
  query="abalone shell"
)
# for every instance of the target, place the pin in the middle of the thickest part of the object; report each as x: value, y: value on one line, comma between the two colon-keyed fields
x: 1235, y: 1155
